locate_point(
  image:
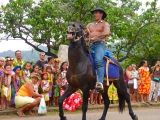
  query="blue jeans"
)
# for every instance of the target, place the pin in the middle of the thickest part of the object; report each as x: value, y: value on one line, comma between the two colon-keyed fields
x: 99, y: 49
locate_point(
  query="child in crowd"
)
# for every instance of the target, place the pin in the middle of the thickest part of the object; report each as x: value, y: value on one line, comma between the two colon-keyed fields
x: 50, y: 80
x: 49, y: 63
x: 63, y: 69
x: 45, y: 87
x: 57, y: 89
x: 134, y: 73
x: 26, y: 72
x: 57, y: 70
x: 36, y: 71
x: 2, y: 60
x: 9, y: 61
x: 15, y: 84
x: 6, y: 86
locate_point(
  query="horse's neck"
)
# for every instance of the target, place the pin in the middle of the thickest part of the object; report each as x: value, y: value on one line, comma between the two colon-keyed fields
x: 76, y: 53
x: 77, y: 47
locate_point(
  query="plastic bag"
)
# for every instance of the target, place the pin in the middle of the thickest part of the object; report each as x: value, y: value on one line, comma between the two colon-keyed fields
x: 112, y: 92
x: 42, y: 107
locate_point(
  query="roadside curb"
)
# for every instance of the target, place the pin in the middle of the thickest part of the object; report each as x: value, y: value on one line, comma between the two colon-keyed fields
x: 90, y: 107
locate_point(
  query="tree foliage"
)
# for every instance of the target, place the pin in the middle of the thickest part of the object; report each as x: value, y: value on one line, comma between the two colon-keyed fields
x: 133, y: 36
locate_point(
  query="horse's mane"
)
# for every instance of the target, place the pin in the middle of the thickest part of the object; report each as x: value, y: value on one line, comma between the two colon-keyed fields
x: 83, y: 44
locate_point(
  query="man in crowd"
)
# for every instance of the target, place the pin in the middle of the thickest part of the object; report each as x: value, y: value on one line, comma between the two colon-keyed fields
x: 41, y: 61
x: 18, y: 60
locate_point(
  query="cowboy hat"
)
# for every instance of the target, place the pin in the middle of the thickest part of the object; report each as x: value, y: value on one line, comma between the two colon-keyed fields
x: 100, y: 10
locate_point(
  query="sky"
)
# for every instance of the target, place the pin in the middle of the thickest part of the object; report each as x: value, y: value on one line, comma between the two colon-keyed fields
x: 21, y: 45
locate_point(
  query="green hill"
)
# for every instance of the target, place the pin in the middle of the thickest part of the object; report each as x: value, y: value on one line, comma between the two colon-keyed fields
x: 27, y: 55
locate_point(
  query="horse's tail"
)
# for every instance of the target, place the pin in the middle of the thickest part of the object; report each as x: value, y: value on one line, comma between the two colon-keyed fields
x: 121, y: 103
x: 122, y: 88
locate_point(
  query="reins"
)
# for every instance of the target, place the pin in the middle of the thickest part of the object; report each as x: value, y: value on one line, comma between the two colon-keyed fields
x: 89, y: 39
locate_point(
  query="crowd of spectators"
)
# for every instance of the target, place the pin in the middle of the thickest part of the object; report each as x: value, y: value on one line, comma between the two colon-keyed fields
x: 22, y: 84
x: 143, y: 83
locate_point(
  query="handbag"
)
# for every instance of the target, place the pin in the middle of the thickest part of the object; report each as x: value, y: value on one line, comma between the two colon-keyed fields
x: 156, y: 79
x: 112, y: 92
x: 42, y: 107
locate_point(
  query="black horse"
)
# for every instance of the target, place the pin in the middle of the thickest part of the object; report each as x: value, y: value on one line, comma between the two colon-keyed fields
x: 80, y: 75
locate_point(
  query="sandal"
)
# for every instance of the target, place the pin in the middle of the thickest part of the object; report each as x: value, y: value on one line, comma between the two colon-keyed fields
x: 20, y: 115
x: 149, y: 103
x: 144, y: 103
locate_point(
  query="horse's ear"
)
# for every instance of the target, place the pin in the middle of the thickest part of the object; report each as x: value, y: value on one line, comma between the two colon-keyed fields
x: 82, y: 26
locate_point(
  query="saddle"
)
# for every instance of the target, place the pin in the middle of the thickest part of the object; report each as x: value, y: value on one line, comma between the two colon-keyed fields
x: 111, y: 67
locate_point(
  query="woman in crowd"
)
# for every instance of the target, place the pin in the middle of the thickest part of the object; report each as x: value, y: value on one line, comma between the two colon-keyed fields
x: 144, y: 82
x: 130, y: 81
x: 126, y: 78
x: 27, y: 98
x: 155, y: 82
x: 135, y: 83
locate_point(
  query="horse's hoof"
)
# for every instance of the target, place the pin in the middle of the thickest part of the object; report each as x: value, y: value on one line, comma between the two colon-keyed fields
x: 64, y: 118
x: 136, y: 117
x: 101, y: 119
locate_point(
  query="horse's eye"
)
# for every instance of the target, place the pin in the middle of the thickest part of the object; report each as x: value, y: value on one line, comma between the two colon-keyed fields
x: 73, y: 25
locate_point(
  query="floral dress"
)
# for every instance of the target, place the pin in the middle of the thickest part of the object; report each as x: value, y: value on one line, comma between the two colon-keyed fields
x: 72, y: 102
x: 144, y: 88
x: 45, y: 88
x: 27, y: 76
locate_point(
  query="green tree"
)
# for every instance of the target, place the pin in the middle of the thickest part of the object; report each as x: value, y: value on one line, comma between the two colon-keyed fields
x: 133, y: 36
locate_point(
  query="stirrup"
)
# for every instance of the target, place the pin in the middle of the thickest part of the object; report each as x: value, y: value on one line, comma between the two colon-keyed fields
x: 99, y: 86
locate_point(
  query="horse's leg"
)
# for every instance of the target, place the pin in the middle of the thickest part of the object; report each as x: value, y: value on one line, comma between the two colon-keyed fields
x: 131, y: 113
x: 67, y: 93
x: 85, y: 102
x: 123, y: 95
x: 106, y: 104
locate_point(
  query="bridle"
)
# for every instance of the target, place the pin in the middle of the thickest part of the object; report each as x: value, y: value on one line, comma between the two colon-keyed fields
x: 77, y: 38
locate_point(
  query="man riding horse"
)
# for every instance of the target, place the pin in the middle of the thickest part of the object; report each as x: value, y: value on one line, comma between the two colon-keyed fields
x: 98, y: 31
x: 80, y: 72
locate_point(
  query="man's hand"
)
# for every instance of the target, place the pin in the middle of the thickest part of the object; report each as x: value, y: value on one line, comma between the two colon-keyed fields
x: 86, y: 32
x: 92, y: 39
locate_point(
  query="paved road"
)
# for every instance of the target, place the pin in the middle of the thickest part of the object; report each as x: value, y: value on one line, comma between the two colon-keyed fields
x: 144, y: 114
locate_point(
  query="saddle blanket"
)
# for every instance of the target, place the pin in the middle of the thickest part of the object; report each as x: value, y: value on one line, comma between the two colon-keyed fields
x: 113, y: 70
